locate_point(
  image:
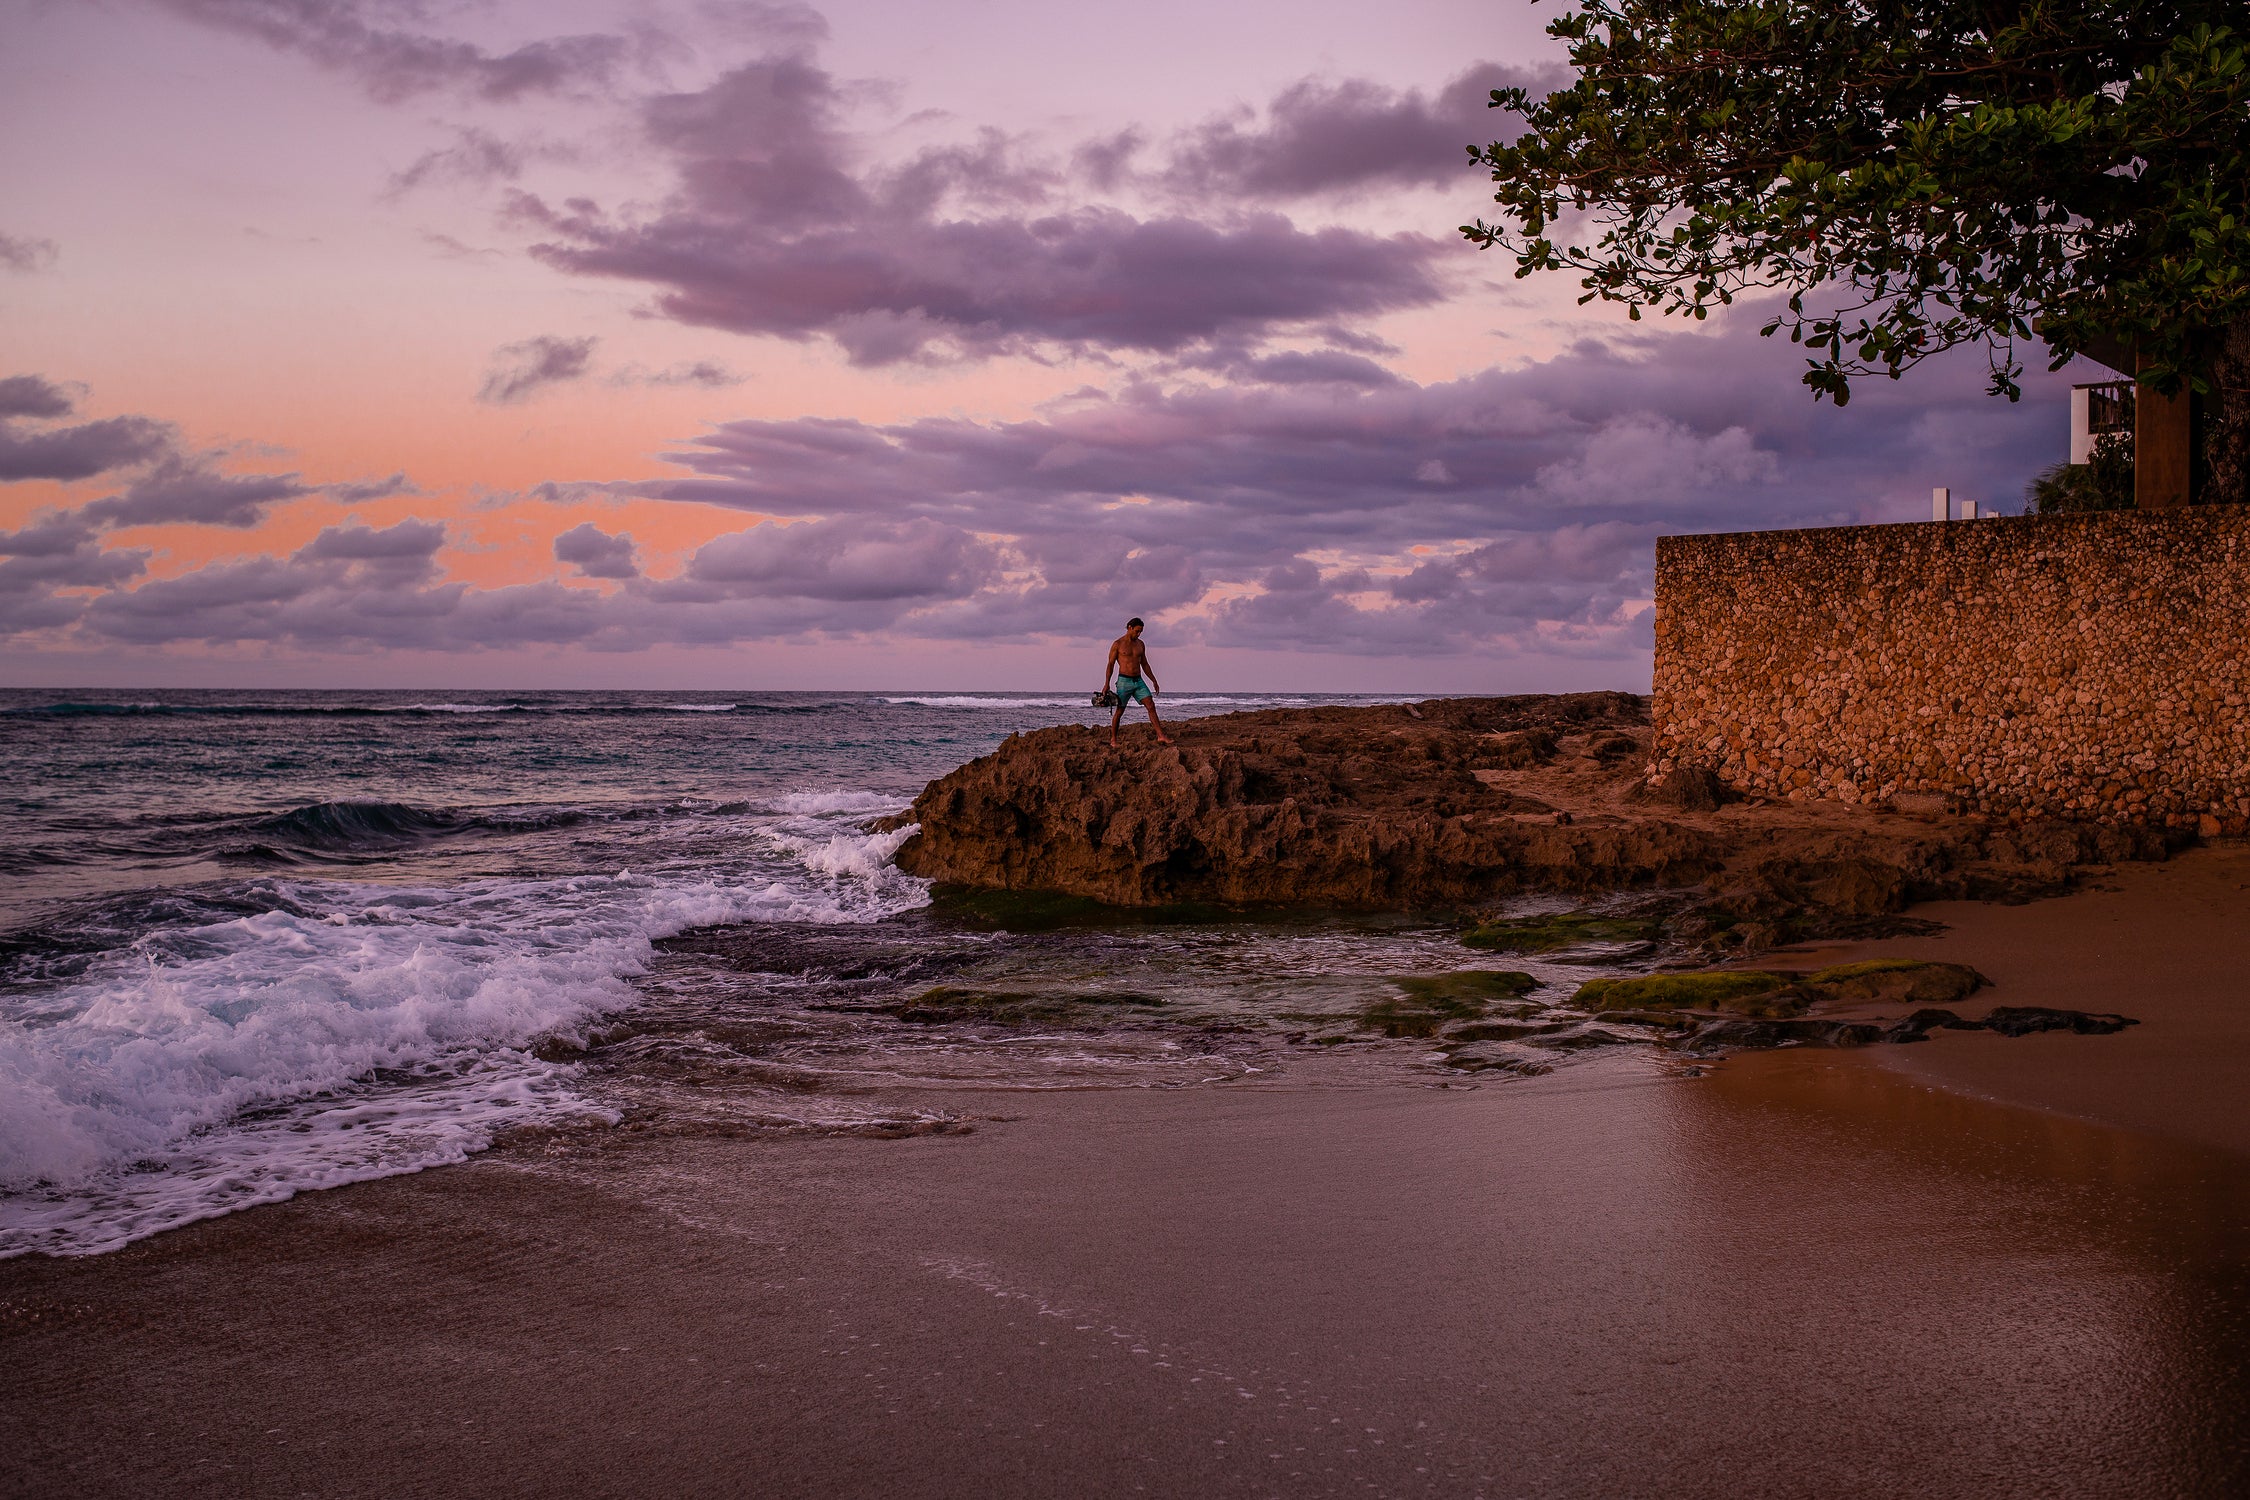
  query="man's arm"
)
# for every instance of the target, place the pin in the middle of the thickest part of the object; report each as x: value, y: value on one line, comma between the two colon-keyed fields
x: 1148, y: 672
x: 1109, y: 666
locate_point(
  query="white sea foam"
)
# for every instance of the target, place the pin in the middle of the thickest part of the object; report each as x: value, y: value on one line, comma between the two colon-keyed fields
x: 458, y: 708
x: 351, y: 1135
x: 865, y: 855
x: 701, y: 708
x: 814, y: 803
x: 360, y: 1030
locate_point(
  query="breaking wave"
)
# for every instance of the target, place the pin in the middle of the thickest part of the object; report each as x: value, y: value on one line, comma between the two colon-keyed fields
x: 281, y: 1035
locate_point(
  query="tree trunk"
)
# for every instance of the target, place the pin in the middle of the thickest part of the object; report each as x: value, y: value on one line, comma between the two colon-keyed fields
x: 2163, y: 446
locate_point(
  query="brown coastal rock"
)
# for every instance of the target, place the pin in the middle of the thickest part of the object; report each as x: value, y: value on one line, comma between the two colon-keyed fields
x: 1454, y: 804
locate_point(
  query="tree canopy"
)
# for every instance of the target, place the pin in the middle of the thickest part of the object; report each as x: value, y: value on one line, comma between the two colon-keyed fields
x: 1914, y: 176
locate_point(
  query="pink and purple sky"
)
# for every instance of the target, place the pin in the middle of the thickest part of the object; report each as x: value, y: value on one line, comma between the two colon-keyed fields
x: 485, y: 343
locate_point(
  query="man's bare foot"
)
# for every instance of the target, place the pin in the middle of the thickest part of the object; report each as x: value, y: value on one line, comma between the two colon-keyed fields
x: 1161, y: 740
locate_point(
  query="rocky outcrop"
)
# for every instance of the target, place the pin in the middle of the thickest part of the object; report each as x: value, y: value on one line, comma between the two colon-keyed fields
x: 1455, y: 804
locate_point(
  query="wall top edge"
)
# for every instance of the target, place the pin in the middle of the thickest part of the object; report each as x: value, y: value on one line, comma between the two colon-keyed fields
x: 2181, y: 517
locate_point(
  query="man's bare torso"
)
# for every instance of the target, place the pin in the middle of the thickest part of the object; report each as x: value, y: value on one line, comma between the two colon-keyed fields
x: 1132, y: 656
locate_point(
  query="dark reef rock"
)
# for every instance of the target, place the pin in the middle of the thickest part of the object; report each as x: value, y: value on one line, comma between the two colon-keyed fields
x: 2023, y: 1020
x: 1457, y: 804
x: 1801, y: 1031
x: 1824, y: 1031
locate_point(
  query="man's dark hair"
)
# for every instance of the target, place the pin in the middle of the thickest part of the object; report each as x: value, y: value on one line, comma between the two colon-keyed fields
x: 1136, y: 620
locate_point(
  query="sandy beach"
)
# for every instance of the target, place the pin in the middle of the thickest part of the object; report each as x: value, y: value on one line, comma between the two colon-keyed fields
x: 1970, y: 1267
x: 2168, y: 944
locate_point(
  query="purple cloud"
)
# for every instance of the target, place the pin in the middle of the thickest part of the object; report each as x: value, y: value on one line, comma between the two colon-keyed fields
x: 1322, y: 136
x: 173, y: 486
x: 51, y: 534
x: 857, y: 561
x: 192, y: 490
x: 707, y: 374
x: 1681, y: 429
x: 351, y: 588
x: 520, y: 370
x: 32, y: 396
x: 786, y: 25
x: 78, y: 452
x: 359, y: 491
x: 1291, y: 367
x: 409, y: 545
x: 351, y: 37
x: 476, y: 157
x: 1344, y: 516
x: 57, y: 552
x: 597, y: 554
x: 26, y: 253
x: 777, y: 226
x: 961, y: 253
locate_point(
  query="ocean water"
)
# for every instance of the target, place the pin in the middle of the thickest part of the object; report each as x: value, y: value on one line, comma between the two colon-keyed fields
x: 253, y: 944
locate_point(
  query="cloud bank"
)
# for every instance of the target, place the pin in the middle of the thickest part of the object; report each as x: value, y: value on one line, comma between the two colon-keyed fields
x: 1503, y: 513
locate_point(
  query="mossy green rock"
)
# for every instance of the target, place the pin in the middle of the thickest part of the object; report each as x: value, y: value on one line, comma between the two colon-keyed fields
x: 1769, y: 995
x: 1429, y: 1001
x: 1570, y: 929
x: 1743, y: 992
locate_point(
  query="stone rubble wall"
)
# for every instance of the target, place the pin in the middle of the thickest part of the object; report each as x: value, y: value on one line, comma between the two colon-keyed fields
x: 2078, y: 667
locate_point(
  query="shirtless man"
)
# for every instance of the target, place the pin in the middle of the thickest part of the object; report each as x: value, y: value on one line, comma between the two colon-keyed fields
x: 1129, y: 659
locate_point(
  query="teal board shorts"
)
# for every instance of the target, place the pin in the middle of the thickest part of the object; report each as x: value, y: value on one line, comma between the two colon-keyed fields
x: 1132, y: 690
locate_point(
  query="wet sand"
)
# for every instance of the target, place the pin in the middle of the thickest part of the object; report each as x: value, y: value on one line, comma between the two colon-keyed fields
x: 1799, y: 1274
x: 2168, y: 944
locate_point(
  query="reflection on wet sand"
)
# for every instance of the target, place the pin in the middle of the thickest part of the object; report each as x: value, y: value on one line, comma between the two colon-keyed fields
x: 2071, y: 1298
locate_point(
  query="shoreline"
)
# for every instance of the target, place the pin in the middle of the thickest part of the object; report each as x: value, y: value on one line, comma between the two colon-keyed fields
x: 1797, y: 1274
